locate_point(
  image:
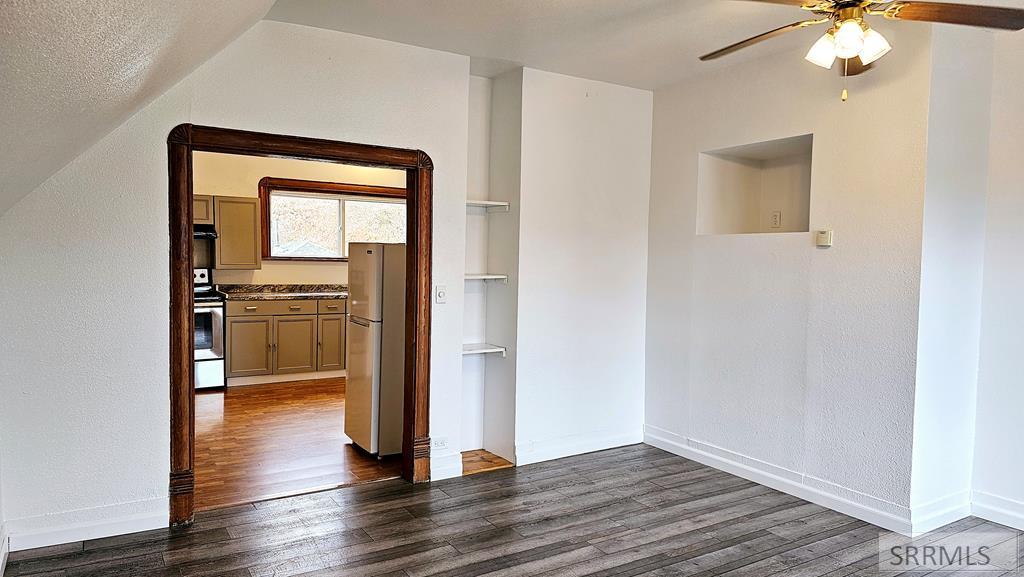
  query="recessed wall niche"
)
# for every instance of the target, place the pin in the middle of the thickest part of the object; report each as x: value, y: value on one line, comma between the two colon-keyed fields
x: 755, y: 188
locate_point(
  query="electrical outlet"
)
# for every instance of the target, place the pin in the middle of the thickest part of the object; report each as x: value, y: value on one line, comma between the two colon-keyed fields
x: 440, y: 294
x: 776, y: 221
x: 440, y: 443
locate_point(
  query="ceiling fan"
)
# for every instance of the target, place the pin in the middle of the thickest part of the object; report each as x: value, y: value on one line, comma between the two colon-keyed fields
x: 850, y: 38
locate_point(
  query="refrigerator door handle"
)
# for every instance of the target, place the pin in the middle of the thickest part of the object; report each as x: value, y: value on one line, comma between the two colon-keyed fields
x: 359, y: 321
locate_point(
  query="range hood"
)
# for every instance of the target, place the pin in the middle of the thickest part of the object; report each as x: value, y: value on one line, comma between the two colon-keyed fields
x: 204, y: 231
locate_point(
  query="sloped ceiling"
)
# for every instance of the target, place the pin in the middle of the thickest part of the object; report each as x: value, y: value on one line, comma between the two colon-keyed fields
x: 73, y: 70
x: 640, y: 43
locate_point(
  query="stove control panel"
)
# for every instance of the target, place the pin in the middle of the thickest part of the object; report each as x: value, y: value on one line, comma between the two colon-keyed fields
x: 201, y: 276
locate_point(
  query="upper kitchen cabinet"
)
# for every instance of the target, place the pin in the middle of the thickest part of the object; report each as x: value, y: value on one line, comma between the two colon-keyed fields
x: 202, y: 209
x: 238, y: 233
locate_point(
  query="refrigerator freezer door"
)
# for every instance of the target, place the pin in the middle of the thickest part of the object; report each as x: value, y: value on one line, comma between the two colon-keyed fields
x: 365, y: 279
x: 362, y: 390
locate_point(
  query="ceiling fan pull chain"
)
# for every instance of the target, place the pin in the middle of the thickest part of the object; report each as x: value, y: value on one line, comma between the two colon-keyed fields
x: 846, y: 76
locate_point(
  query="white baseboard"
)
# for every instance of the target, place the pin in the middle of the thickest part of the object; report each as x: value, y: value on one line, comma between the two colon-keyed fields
x: 81, y: 525
x: 5, y: 547
x: 265, y: 379
x: 445, y: 466
x: 821, y: 492
x: 535, y: 452
x: 941, y: 512
x: 998, y: 509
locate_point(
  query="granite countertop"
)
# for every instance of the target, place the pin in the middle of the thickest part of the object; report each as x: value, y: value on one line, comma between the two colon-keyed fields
x: 278, y: 292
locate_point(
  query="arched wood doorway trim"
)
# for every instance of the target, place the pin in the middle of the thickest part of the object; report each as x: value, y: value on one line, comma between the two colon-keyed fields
x: 181, y: 143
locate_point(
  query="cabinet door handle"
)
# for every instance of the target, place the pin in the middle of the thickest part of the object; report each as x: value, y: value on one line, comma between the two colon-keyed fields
x: 295, y: 308
x: 250, y: 308
x: 332, y: 306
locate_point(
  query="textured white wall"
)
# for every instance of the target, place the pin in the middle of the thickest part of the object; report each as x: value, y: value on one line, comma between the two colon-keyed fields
x: 999, y: 454
x: 951, y: 275
x: 585, y: 183
x: 85, y: 291
x: 794, y: 364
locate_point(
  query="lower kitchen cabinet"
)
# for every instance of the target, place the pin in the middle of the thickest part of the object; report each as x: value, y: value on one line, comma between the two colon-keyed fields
x: 249, y: 346
x: 295, y: 341
x: 331, y: 332
x: 282, y: 337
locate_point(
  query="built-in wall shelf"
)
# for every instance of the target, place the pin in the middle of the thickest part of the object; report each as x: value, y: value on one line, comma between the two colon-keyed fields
x: 489, y: 205
x: 487, y: 276
x: 481, y: 349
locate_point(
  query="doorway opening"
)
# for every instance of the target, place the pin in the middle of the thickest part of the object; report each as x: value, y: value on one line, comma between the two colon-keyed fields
x: 278, y: 410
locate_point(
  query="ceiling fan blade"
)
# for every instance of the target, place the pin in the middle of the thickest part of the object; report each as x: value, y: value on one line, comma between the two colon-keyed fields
x: 966, y: 14
x: 760, y: 38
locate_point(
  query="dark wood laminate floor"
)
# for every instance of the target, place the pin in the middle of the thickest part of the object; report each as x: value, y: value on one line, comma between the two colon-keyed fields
x: 623, y: 512
x: 265, y: 441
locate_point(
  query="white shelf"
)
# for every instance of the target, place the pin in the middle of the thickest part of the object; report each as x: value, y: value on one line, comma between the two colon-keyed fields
x: 489, y: 205
x: 481, y: 349
x: 487, y: 276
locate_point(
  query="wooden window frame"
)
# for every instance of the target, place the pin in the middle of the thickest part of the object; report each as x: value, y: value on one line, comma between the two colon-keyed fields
x: 269, y: 184
x: 182, y: 142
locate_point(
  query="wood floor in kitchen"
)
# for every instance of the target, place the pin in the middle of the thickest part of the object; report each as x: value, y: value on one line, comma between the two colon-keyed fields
x: 629, y: 511
x: 264, y: 441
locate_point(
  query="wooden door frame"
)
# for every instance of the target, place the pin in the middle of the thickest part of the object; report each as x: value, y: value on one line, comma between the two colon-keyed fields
x: 185, y: 139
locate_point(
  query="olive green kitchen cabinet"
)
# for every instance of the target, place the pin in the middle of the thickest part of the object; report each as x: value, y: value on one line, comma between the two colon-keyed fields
x: 237, y: 220
x: 274, y: 337
x: 331, y: 331
x: 249, y: 350
x: 294, y: 344
x: 202, y: 209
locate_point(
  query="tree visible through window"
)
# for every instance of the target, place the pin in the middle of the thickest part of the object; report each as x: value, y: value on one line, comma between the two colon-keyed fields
x: 320, y: 226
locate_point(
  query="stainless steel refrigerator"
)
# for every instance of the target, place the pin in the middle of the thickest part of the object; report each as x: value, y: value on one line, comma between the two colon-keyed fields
x: 375, y: 347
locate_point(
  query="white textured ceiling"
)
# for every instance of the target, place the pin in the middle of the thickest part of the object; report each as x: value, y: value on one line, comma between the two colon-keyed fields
x: 641, y: 43
x: 73, y: 70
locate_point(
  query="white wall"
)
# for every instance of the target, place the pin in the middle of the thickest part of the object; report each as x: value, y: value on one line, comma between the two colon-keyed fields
x: 999, y: 455
x: 85, y: 387
x: 503, y: 229
x: 585, y: 183
x: 951, y: 275
x: 475, y: 317
x: 781, y: 362
x: 219, y: 174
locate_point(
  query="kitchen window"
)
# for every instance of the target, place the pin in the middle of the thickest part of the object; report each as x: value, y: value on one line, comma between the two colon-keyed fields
x: 315, y: 221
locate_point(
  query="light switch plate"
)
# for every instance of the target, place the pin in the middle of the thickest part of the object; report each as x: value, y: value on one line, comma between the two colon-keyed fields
x: 440, y: 294
x: 823, y: 238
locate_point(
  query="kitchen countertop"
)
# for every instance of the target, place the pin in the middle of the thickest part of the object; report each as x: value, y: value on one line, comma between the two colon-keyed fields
x: 278, y: 292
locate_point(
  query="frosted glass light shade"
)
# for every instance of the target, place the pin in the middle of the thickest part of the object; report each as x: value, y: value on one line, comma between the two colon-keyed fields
x: 875, y: 47
x: 823, y: 53
x: 849, y: 39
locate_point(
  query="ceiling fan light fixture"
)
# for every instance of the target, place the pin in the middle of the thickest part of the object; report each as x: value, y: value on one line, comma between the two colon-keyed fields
x: 875, y: 47
x: 849, y: 39
x: 823, y: 52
